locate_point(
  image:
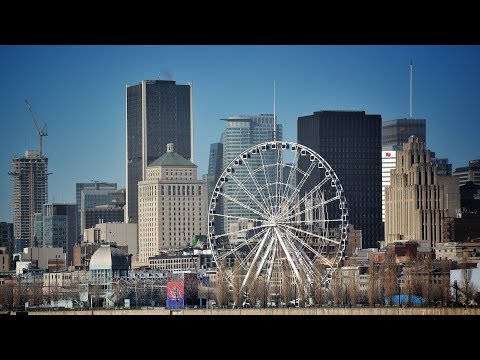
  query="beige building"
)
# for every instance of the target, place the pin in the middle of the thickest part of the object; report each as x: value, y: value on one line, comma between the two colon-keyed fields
x: 171, y: 205
x: 122, y: 234
x: 418, y: 199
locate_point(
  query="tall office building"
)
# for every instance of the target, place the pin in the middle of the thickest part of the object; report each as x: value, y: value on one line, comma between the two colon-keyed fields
x: 58, y: 227
x: 30, y: 192
x: 91, y: 199
x: 444, y: 168
x: 242, y: 132
x: 215, y: 169
x: 468, y: 173
x: 171, y: 204
x: 6, y: 237
x: 94, y: 185
x: 418, y: 199
x: 158, y: 112
x: 350, y: 141
x: 394, y: 134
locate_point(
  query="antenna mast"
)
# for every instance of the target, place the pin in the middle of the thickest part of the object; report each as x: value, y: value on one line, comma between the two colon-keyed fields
x: 274, y: 114
x: 411, y: 96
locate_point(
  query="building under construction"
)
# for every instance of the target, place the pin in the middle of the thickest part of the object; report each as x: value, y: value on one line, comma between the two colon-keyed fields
x: 30, y: 192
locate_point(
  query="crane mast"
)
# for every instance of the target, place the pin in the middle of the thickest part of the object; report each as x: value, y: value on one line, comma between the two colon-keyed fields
x: 42, y: 132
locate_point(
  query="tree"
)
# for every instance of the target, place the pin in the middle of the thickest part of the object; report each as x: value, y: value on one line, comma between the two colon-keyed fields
x: 95, y: 290
x: 287, y: 291
x: 336, y: 288
x: 373, y: 289
x: 468, y: 288
x: 237, y: 279
x: 191, y: 288
x: 221, y: 287
x: 388, y: 276
x: 352, y: 286
x: 426, y: 280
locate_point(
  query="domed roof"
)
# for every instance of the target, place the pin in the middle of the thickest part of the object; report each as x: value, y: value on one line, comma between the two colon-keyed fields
x: 108, y: 258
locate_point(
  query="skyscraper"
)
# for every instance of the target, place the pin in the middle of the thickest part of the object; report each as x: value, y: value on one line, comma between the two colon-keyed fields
x: 215, y: 168
x: 171, y: 205
x: 394, y: 134
x: 94, y: 185
x: 418, y: 199
x: 242, y: 132
x: 30, y: 192
x: 350, y: 141
x: 59, y: 227
x: 158, y: 112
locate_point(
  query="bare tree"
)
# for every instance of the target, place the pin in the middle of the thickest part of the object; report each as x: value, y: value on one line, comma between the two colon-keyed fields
x: 373, y: 289
x: 352, y: 286
x: 191, y: 289
x: 221, y: 288
x: 446, y: 293
x: 468, y: 288
x: 120, y: 291
x: 426, y: 280
x: 95, y: 294
x: 336, y: 288
x: 237, y: 279
x: 388, y: 276
x: 259, y: 291
x: 287, y: 290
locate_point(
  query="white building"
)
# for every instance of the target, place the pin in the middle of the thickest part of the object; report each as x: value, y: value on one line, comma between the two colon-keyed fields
x: 171, y: 205
x: 388, y: 163
x: 122, y: 234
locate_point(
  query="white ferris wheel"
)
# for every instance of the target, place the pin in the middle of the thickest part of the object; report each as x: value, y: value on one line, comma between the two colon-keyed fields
x: 277, y: 212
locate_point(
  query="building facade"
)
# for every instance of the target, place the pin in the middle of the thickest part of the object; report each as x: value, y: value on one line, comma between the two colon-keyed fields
x: 102, y: 214
x: 158, y: 112
x: 171, y: 205
x: 469, y: 173
x: 215, y: 168
x: 58, y: 228
x: 94, y: 185
x: 30, y: 192
x: 119, y: 233
x: 6, y: 237
x: 418, y: 198
x: 396, y: 132
x: 388, y: 163
x: 241, y: 133
x: 350, y: 141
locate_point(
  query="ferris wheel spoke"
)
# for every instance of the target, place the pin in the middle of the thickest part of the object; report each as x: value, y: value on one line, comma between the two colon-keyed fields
x: 250, y: 195
x: 245, y: 243
x: 255, y: 181
x: 292, y: 171
x: 299, y: 186
x: 266, y: 179
x: 237, y: 217
x: 272, y: 260
x: 310, y: 234
x: 264, y: 257
x: 298, y: 204
x: 315, y: 207
x: 288, y: 255
x: 228, y: 234
x: 257, y: 254
x: 228, y: 197
x: 315, y: 252
x: 302, y: 258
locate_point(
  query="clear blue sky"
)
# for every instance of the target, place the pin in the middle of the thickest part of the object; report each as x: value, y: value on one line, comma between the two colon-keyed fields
x: 80, y: 92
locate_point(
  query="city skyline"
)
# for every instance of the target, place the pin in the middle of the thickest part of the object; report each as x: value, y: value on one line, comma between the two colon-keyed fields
x: 79, y: 91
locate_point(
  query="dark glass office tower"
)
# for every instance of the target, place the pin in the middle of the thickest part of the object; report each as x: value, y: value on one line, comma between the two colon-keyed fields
x: 158, y: 112
x: 396, y: 132
x: 351, y: 142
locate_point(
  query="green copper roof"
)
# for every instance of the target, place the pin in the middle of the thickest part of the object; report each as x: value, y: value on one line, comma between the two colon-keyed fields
x: 171, y: 159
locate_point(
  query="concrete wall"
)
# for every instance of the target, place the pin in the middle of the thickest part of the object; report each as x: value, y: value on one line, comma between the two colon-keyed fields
x: 297, y: 311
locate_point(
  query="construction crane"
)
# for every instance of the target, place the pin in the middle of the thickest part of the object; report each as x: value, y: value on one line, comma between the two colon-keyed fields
x: 41, y: 133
